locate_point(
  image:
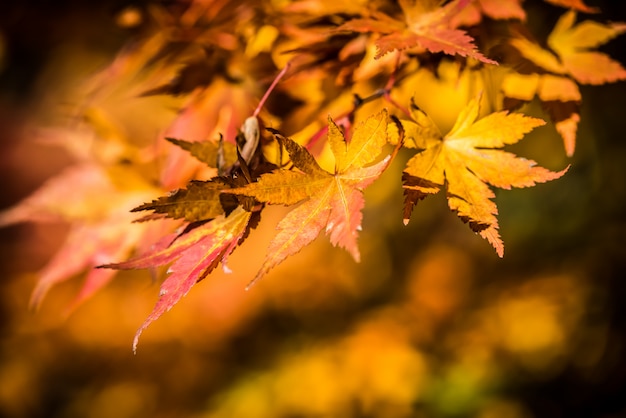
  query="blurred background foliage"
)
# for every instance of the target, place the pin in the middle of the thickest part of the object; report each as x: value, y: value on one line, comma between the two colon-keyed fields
x: 431, y: 323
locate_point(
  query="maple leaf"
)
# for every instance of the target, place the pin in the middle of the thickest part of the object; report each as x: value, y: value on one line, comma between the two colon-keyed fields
x: 559, y: 96
x: 194, y: 253
x: 330, y: 201
x: 570, y: 50
x: 220, y: 107
x: 208, y: 152
x: 426, y: 25
x: 465, y: 161
x: 87, y: 197
x: 198, y: 202
x: 554, y: 71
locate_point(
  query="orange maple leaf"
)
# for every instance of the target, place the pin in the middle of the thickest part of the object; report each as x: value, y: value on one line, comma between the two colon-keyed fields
x: 464, y: 161
x: 570, y: 58
x: 426, y: 25
x: 570, y: 50
x: 330, y: 201
x: 495, y: 9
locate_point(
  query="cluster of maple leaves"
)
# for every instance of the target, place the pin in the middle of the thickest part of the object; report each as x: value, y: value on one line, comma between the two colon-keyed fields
x: 219, y: 166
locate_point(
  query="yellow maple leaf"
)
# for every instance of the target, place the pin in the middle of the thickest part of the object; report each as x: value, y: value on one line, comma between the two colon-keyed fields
x: 570, y: 59
x: 464, y: 160
x: 571, y: 52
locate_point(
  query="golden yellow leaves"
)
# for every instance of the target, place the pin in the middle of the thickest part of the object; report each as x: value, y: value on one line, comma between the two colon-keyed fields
x: 571, y: 50
x: 217, y: 78
x: 568, y: 60
x: 466, y: 162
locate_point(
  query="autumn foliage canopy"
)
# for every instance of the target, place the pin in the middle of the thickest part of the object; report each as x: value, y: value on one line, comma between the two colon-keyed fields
x: 305, y: 104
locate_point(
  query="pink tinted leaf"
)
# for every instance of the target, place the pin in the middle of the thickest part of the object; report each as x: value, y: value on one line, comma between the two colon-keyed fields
x: 194, y: 255
x: 87, y: 246
x: 68, y: 195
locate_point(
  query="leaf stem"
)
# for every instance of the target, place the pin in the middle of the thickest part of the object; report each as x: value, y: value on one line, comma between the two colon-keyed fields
x: 280, y: 75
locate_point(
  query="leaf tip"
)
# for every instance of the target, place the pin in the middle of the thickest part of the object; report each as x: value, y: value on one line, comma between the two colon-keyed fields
x: 255, y: 280
x: 562, y: 172
x: 136, y: 339
x: 493, y: 237
x: 36, y: 298
x: 567, y: 129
